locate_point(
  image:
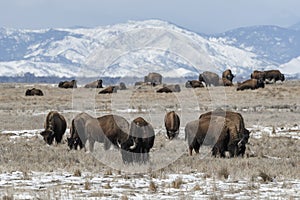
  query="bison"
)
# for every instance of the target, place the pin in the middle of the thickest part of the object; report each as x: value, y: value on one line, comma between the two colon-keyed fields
x: 108, y: 90
x: 94, y: 84
x: 243, y: 133
x: 258, y: 75
x: 227, y: 74
x: 172, y: 124
x: 154, y: 78
x: 108, y: 129
x: 122, y: 86
x: 34, y: 92
x: 169, y: 89
x: 68, y: 84
x: 55, y: 127
x: 215, y: 131
x: 193, y: 84
x: 274, y: 75
x: 251, y: 84
x: 141, y: 139
x: 209, y: 78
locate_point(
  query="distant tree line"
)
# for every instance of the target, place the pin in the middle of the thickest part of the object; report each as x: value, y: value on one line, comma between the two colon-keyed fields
x: 31, y: 78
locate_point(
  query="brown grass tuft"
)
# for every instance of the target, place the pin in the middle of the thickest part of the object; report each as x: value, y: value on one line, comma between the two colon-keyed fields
x: 7, y: 197
x: 152, y: 187
x: 87, y: 185
x: 77, y: 173
x: 177, y: 183
x: 265, y: 176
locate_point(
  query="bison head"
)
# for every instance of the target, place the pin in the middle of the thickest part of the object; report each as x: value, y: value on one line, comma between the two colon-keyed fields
x: 48, y: 136
x: 260, y: 83
x: 74, y: 142
x: 28, y: 92
x: 282, y: 78
x: 129, y: 150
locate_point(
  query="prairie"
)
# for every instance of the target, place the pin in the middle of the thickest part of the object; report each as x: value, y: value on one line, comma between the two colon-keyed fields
x: 30, y: 169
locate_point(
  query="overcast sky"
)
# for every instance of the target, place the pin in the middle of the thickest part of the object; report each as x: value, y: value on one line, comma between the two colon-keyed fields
x: 209, y: 16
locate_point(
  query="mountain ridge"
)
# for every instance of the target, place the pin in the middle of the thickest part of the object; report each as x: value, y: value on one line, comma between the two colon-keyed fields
x: 136, y: 48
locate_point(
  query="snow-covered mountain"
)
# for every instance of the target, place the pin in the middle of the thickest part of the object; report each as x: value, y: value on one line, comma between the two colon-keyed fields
x: 276, y: 44
x: 136, y: 48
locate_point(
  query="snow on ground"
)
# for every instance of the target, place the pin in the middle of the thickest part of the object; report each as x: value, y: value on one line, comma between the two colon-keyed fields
x: 291, y: 132
x: 92, y: 186
x: 195, y: 185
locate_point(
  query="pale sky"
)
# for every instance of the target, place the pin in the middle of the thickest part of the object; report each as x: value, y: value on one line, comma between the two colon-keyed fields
x: 209, y: 16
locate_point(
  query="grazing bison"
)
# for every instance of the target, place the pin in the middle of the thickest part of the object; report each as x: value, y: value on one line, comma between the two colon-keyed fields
x: 68, y: 84
x: 141, y: 139
x: 227, y: 74
x: 172, y: 124
x: 108, y: 90
x: 55, y: 127
x: 169, y: 89
x: 106, y: 129
x: 33, y: 92
x: 258, y: 75
x: 251, y: 84
x: 194, y: 84
x: 209, y: 78
x: 274, y: 75
x: 215, y: 131
x: 153, y: 78
x: 237, y: 119
x: 95, y: 84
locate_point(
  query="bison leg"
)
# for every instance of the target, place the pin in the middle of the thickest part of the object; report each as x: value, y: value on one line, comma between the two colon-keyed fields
x: 58, y: 138
x: 233, y: 150
x: 91, y: 144
x: 190, y: 150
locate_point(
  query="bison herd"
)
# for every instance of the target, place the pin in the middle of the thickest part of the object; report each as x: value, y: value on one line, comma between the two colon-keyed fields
x: 224, y: 131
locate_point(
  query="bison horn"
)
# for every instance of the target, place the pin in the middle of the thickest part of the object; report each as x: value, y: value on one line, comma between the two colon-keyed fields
x: 118, y: 143
x: 133, y: 146
x: 240, y: 143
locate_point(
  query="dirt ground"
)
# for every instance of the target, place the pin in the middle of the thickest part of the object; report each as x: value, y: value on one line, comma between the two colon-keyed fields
x: 271, y: 113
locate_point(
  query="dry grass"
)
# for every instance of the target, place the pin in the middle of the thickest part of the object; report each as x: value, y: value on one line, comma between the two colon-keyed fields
x: 275, y: 106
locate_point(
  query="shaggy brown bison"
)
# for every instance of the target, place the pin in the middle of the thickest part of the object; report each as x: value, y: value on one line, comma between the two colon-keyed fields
x: 68, y: 84
x: 34, y: 92
x: 215, y: 131
x: 227, y: 74
x: 258, y: 75
x: 209, y: 78
x: 274, y: 75
x: 193, y: 84
x: 94, y: 84
x: 251, y: 84
x: 108, y: 90
x: 172, y: 124
x: 238, y: 120
x: 169, y: 89
x: 154, y: 78
x: 106, y: 129
x: 55, y: 127
x: 141, y: 139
